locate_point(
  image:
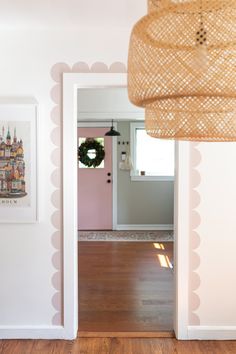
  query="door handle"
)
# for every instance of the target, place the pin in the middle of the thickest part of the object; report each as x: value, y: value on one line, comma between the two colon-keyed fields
x: 108, y: 181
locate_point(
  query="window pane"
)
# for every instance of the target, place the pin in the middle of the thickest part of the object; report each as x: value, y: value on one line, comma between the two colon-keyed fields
x: 154, y: 156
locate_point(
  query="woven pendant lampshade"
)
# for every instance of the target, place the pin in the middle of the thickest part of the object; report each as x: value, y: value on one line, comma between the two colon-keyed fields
x: 182, y: 69
x: 153, y: 5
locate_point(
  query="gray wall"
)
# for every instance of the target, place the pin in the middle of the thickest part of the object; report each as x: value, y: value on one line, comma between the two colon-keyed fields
x: 142, y: 202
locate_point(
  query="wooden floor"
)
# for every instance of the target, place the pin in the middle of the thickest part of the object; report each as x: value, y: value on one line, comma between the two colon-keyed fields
x: 131, y: 271
x: 116, y: 346
x: 124, y: 288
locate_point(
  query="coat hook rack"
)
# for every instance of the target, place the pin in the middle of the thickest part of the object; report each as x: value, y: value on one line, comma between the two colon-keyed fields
x: 123, y: 142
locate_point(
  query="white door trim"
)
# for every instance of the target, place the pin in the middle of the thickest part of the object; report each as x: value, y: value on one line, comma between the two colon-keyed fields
x: 211, y: 332
x: 147, y: 227
x: 71, y: 82
x: 114, y: 163
x: 181, y: 244
x: 33, y: 332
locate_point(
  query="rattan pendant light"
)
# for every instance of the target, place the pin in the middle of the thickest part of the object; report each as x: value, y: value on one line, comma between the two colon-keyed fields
x: 182, y: 69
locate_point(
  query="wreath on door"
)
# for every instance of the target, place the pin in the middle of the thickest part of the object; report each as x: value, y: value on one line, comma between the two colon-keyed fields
x: 83, y: 150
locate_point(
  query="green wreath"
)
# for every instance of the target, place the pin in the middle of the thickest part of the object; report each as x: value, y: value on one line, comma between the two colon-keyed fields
x: 83, y: 153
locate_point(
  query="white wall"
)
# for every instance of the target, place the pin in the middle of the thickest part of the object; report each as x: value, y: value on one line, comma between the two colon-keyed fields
x: 26, y: 250
x: 218, y: 234
x: 106, y: 104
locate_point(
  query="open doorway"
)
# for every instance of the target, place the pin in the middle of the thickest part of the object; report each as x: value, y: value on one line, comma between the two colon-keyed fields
x: 125, y: 221
x: 71, y: 84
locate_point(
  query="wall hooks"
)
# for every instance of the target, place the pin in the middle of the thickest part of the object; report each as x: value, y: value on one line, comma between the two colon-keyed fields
x: 123, y: 142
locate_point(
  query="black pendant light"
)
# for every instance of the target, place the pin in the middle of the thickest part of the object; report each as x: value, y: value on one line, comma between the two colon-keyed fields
x: 112, y: 131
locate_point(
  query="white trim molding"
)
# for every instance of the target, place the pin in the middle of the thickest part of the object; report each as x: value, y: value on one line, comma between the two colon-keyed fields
x: 122, y: 116
x: 71, y: 83
x: 212, y: 332
x: 70, y: 244
x: 181, y: 244
x: 136, y: 178
x: 34, y: 332
x: 147, y: 227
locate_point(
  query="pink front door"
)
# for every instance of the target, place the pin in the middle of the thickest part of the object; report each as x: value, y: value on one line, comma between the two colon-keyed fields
x: 95, y: 186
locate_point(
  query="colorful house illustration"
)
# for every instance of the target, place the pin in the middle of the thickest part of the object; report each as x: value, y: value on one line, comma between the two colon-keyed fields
x: 12, y: 166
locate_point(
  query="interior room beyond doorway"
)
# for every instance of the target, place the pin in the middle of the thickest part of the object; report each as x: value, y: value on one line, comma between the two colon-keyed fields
x: 125, y: 285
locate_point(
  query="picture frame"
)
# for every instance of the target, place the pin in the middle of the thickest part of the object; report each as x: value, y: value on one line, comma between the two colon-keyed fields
x: 18, y: 160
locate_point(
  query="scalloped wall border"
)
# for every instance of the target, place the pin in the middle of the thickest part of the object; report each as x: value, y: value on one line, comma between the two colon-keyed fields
x: 56, y: 197
x: 194, y: 240
x: 56, y: 177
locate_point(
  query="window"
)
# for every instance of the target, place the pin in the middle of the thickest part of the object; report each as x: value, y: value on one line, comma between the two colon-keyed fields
x: 153, y: 159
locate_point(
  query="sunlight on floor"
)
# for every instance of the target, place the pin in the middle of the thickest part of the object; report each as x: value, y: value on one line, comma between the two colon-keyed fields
x: 159, y: 246
x: 164, y: 261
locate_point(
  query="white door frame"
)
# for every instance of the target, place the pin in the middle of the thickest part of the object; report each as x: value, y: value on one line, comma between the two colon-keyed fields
x: 94, y: 124
x: 71, y: 83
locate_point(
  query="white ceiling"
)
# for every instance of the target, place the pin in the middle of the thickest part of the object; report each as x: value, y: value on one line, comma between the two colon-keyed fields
x: 105, y: 104
x: 70, y: 13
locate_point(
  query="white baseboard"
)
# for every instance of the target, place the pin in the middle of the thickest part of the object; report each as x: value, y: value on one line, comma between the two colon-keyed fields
x: 140, y: 227
x: 34, y: 332
x: 212, y: 332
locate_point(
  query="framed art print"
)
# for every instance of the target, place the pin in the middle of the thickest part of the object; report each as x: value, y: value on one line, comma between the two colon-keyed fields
x: 18, y: 161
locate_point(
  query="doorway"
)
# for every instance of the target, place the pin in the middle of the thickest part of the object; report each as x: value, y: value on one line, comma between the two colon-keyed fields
x: 126, y: 283
x: 71, y: 83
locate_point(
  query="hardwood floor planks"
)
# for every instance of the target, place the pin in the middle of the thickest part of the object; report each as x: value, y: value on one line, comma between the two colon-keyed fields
x: 132, y: 292
x: 52, y: 347
x: 16, y: 346
x: 161, y: 334
x: 123, y: 287
x: 163, y: 346
x: 117, y: 346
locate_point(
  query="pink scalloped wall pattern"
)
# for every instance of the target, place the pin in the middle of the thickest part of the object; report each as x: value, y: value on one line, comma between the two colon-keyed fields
x: 56, y: 176
x: 195, y: 221
x: 56, y: 197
